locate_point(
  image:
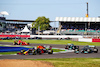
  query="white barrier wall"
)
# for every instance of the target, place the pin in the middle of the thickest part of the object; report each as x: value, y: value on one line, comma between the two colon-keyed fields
x: 85, y: 39
x: 80, y: 38
x: 57, y: 36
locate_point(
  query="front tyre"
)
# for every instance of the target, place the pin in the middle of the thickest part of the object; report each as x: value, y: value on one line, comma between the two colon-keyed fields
x: 96, y: 50
x: 50, y: 51
x: 76, y: 51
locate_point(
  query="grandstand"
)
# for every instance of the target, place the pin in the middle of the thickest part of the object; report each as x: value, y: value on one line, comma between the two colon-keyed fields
x: 79, y: 25
x: 12, y: 25
x: 67, y: 25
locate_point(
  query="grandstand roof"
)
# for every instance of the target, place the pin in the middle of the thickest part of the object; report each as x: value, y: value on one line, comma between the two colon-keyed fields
x: 78, y: 19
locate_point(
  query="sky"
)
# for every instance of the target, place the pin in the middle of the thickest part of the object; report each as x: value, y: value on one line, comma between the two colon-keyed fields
x: 31, y: 9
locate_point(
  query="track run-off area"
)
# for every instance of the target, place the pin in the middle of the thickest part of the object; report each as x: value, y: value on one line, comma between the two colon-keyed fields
x: 66, y: 54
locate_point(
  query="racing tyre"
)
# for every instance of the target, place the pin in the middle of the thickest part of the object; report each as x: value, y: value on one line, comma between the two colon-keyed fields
x: 66, y: 47
x: 19, y: 44
x: 82, y: 51
x: 50, y: 51
x: 40, y: 52
x: 76, y: 51
x: 28, y: 43
x: 34, y: 52
x: 96, y: 50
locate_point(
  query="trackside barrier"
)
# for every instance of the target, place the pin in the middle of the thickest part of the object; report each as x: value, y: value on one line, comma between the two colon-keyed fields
x: 14, y: 35
x: 74, y: 39
x: 85, y: 39
x: 57, y: 36
x: 95, y: 40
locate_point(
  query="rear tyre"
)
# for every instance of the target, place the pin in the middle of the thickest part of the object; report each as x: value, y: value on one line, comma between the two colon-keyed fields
x: 34, y: 52
x: 40, y: 52
x: 28, y: 43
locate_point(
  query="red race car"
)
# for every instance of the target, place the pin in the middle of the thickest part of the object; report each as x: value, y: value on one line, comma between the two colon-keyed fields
x: 20, y: 42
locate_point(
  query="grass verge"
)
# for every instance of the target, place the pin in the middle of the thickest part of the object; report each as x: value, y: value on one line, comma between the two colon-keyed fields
x: 8, y: 53
x: 61, y: 42
x: 73, y: 62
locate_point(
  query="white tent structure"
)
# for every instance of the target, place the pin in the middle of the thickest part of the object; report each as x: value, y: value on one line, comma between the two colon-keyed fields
x: 4, y: 13
x: 26, y: 30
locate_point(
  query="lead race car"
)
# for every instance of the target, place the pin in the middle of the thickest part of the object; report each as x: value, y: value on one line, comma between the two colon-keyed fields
x: 40, y: 50
x: 20, y: 42
x: 87, y: 49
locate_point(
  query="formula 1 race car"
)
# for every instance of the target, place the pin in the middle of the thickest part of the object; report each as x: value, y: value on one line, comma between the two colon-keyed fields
x: 44, y: 50
x: 20, y: 42
x: 70, y: 46
x: 40, y: 50
x: 28, y: 52
x: 89, y: 49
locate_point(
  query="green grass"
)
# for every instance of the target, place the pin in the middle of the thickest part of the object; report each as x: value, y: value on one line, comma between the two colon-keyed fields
x: 62, y: 42
x: 57, y: 50
x: 73, y: 62
x: 8, y: 53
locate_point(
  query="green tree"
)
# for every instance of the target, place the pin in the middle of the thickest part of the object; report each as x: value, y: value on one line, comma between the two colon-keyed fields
x: 41, y: 22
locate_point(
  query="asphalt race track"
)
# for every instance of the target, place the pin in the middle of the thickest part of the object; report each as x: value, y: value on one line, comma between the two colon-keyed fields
x: 58, y: 55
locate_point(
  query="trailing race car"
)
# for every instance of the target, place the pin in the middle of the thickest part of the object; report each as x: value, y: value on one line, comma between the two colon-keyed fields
x: 28, y: 52
x: 20, y: 42
x: 39, y: 50
x: 89, y: 49
x: 70, y: 46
